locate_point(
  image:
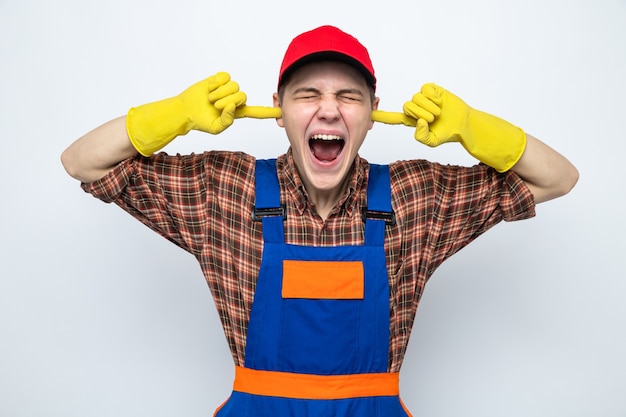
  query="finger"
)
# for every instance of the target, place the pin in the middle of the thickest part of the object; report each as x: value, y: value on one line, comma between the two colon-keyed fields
x: 393, y: 118
x: 418, y: 112
x: 226, y: 119
x: 237, y: 99
x: 427, y: 104
x: 433, y: 92
x: 217, y: 80
x: 258, y: 112
x: 224, y: 90
x: 423, y: 133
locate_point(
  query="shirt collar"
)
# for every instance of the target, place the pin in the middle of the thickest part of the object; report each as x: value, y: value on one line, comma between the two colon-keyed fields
x: 288, y: 175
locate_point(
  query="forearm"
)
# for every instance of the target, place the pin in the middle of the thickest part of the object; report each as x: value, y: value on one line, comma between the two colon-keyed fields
x: 547, y: 173
x: 93, y: 155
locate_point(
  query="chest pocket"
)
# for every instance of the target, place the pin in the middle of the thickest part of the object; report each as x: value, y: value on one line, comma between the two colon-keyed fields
x: 331, y: 280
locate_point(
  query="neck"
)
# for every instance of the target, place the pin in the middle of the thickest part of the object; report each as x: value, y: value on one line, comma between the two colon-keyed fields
x: 323, y: 206
x: 324, y: 200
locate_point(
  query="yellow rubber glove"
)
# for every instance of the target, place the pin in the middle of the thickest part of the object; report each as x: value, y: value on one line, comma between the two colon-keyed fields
x: 208, y: 106
x: 443, y: 117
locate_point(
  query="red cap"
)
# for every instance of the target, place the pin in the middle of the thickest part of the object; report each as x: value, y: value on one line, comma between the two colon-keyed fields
x: 327, y: 43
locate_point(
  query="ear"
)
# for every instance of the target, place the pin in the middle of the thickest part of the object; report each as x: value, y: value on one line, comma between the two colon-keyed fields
x: 279, y: 121
x: 374, y: 107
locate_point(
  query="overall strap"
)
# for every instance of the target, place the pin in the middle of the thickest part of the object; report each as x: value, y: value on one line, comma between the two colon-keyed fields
x: 378, y: 212
x: 269, y: 210
x: 267, y: 205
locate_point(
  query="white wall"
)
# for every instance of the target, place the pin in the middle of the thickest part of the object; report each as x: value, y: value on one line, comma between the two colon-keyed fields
x: 101, y: 317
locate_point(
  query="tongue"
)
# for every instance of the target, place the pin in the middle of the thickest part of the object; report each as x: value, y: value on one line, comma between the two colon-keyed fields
x: 326, y: 150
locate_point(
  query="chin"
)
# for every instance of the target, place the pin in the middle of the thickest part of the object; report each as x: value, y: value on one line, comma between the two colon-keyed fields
x: 328, y: 181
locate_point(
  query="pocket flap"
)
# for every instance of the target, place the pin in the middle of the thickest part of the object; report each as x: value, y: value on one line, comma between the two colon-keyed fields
x: 333, y: 280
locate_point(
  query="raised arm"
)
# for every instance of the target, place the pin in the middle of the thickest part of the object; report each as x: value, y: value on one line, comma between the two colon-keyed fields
x: 547, y: 173
x: 208, y: 106
x: 443, y: 117
x: 93, y: 155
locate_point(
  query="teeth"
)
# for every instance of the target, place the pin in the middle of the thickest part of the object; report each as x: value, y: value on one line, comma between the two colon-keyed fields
x: 326, y: 137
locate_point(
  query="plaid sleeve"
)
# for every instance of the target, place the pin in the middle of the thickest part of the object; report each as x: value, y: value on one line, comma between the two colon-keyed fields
x: 443, y: 208
x: 170, y: 194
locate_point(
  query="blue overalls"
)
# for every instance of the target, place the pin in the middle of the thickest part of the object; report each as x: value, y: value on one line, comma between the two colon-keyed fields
x: 318, y: 336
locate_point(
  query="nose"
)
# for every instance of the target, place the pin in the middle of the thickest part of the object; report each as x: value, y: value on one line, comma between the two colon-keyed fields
x: 328, y: 107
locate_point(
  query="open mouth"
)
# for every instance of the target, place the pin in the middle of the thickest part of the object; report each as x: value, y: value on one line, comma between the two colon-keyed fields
x: 326, y: 147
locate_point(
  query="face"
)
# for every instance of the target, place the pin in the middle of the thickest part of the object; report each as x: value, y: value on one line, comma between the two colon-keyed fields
x: 326, y: 112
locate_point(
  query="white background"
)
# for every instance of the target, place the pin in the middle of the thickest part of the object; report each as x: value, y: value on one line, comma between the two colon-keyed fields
x: 99, y: 316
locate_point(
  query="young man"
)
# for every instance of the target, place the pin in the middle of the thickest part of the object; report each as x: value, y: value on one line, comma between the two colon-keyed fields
x: 317, y: 260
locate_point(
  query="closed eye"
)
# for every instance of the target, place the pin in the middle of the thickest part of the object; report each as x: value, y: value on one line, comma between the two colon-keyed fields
x: 350, y: 98
x: 306, y: 97
x: 306, y: 94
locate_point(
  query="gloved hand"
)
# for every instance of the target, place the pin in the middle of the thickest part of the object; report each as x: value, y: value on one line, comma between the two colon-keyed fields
x: 443, y: 117
x: 208, y: 106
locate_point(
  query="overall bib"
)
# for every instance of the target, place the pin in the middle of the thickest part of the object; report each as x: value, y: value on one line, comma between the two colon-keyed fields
x: 318, y: 336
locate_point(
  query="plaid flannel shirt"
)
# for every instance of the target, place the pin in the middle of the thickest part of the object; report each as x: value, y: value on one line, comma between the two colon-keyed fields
x: 203, y: 203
